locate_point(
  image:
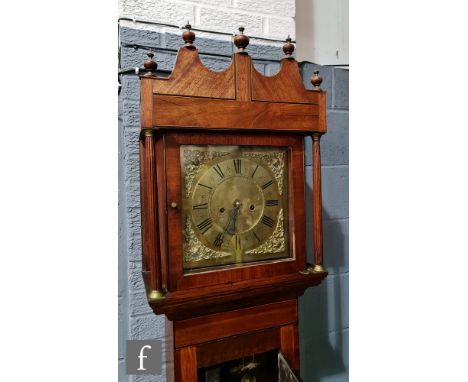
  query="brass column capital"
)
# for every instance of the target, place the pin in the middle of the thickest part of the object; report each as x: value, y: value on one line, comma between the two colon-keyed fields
x: 316, y: 136
x: 148, y: 132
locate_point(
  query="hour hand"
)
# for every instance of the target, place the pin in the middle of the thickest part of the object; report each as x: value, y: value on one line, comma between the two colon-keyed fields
x: 231, y: 225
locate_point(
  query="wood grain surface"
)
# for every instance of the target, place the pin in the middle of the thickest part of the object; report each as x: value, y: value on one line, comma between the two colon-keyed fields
x: 220, y: 325
x: 215, y: 114
x: 191, y: 78
x: 317, y: 199
x: 185, y: 362
x: 230, y: 348
x: 285, y: 86
x: 289, y: 337
x: 149, y: 219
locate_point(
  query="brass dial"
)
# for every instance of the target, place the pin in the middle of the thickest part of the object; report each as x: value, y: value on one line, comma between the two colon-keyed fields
x: 235, y: 205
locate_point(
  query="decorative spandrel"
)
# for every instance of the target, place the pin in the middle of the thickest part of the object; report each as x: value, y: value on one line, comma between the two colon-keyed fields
x: 235, y: 205
x: 275, y: 162
x: 195, y: 251
x: 193, y: 160
x: 276, y: 244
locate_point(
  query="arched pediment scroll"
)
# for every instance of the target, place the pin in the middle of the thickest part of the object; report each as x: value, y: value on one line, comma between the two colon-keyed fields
x: 284, y: 86
x: 238, y: 98
x: 193, y: 79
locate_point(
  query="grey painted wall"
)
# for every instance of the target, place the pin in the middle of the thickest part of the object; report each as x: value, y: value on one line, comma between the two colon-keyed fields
x: 323, y: 310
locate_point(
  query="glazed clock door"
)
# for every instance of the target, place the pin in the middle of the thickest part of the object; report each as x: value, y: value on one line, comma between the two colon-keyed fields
x: 235, y: 206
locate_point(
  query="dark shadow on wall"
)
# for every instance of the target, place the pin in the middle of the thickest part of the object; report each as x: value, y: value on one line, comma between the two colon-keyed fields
x: 322, y: 344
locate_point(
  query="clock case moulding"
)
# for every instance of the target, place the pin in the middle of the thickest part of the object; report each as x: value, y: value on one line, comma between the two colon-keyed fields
x: 239, y: 105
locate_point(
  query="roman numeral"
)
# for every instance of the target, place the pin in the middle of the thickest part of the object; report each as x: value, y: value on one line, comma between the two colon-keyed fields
x: 267, y: 184
x: 204, y: 185
x: 237, y: 166
x: 218, y: 170
x: 254, y: 171
x: 205, y: 225
x: 271, y: 202
x: 267, y: 221
x: 203, y: 206
x: 219, y: 240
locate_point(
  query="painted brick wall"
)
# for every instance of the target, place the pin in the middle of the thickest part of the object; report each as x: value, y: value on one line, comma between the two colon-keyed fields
x: 323, y: 310
x: 262, y: 18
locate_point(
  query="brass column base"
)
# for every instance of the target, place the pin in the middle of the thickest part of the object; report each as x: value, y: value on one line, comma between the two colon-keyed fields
x: 155, y: 295
x: 318, y: 268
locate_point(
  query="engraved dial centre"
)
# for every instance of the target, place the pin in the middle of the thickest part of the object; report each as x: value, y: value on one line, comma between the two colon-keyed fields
x: 234, y: 196
x: 235, y: 205
x: 234, y: 212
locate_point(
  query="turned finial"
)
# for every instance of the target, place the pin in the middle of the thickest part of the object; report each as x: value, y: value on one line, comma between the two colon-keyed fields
x: 149, y: 64
x: 316, y: 80
x: 241, y: 40
x: 188, y: 36
x: 288, y: 48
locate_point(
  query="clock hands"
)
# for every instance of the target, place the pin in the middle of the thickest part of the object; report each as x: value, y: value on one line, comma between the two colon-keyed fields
x: 231, y: 225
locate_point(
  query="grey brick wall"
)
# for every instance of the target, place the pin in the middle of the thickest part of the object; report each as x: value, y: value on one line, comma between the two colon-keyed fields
x: 263, y: 18
x: 323, y: 310
x: 324, y: 313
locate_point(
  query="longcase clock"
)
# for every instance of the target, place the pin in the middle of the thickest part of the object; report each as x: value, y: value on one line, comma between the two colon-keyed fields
x: 224, y: 210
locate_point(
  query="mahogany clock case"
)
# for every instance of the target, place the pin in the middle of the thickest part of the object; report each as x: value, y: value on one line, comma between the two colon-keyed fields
x: 178, y: 280
x: 239, y: 106
x: 224, y: 313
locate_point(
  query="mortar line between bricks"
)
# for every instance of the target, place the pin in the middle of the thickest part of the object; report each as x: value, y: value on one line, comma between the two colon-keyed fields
x: 245, y: 12
x: 334, y: 275
x: 338, y: 110
x: 335, y: 165
x: 331, y: 273
x: 177, y: 27
x: 263, y: 14
x: 335, y: 219
x: 325, y: 334
x: 330, y: 165
x: 142, y: 315
x: 342, y: 329
x: 173, y: 50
